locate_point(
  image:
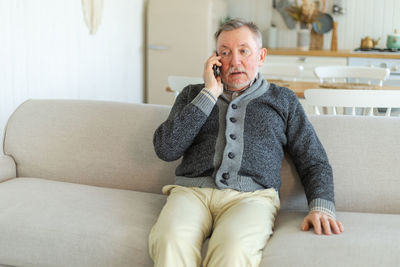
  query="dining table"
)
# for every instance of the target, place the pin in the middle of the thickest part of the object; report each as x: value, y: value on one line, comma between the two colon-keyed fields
x: 300, y: 86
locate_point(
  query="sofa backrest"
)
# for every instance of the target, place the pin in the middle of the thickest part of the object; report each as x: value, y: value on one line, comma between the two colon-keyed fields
x: 364, y: 153
x: 109, y: 144
x: 365, y: 156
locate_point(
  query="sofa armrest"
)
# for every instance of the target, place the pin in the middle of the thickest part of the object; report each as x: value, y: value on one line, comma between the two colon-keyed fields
x: 8, y: 169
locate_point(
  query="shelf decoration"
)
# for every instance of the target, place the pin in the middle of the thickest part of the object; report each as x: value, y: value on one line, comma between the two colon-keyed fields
x: 305, y: 13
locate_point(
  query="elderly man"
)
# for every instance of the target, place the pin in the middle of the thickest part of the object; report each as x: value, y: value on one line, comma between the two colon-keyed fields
x: 232, y: 132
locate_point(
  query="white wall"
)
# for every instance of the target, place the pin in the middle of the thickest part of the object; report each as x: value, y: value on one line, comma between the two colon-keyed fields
x: 46, y: 51
x: 258, y: 11
x: 374, y: 18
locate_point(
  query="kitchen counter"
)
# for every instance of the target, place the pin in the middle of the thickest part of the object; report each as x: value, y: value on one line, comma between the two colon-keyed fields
x: 328, y: 53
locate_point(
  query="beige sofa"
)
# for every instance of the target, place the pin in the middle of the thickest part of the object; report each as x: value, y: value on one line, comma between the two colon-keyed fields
x: 80, y: 186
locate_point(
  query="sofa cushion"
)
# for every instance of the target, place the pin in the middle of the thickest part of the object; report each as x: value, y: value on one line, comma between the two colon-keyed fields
x: 368, y: 240
x: 50, y: 223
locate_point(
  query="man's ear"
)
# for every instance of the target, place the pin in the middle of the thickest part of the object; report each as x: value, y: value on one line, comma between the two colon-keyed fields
x: 261, y: 56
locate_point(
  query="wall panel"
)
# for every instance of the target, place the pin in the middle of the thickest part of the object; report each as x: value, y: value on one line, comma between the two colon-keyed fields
x: 47, y: 52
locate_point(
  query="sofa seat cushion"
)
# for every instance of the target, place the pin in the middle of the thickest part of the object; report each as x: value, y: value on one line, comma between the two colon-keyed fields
x: 368, y: 240
x: 51, y: 223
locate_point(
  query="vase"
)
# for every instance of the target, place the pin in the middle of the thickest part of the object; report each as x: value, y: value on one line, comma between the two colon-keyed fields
x: 303, y: 39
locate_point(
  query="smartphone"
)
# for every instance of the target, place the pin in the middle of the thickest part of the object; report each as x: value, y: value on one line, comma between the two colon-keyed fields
x: 216, y: 69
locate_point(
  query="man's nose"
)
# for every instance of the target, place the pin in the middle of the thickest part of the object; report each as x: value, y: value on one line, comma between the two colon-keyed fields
x: 236, y: 59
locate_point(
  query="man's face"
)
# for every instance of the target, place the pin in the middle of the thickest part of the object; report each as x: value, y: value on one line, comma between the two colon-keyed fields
x: 241, y: 57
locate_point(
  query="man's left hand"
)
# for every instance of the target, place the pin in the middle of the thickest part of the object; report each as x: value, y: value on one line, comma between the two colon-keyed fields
x: 322, y: 222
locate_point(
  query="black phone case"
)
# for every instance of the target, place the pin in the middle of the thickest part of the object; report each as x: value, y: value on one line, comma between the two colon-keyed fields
x: 216, y: 69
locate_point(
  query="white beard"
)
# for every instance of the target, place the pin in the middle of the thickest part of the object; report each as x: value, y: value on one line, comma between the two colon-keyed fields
x: 242, y: 85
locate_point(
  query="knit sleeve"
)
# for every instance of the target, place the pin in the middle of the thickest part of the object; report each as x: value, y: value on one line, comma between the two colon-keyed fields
x: 310, y: 159
x: 173, y: 137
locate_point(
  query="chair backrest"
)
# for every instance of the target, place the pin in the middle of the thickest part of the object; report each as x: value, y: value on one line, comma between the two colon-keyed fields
x: 353, y: 99
x: 281, y: 71
x: 346, y: 73
x: 177, y: 83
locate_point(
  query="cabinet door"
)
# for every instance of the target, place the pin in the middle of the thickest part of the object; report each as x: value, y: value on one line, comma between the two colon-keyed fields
x: 180, y: 38
x: 175, y: 46
x: 309, y: 63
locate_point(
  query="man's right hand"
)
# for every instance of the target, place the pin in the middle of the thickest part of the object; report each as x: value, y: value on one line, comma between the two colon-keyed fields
x: 212, y: 83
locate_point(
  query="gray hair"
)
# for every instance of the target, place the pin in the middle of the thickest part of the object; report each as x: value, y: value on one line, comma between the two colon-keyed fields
x: 237, y: 23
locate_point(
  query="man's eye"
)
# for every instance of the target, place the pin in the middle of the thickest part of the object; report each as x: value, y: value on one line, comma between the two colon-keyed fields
x: 245, y: 52
x: 224, y: 53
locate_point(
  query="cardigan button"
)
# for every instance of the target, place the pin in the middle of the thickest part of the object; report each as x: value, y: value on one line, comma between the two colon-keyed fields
x: 232, y: 119
x: 225, y: 175
x: 224, y: 182
x: 232, y: 136
x: 234, y: 106
x: 231, y: 155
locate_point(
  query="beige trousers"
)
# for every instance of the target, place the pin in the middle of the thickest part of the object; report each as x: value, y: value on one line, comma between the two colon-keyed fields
x: 240, y: 223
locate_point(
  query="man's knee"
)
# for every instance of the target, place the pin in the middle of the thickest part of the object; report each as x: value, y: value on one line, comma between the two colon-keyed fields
x: 237, y: 245
x: 231, y: 252
x: 174, y: 248
x: 175, y: 237
x: 230, y: 244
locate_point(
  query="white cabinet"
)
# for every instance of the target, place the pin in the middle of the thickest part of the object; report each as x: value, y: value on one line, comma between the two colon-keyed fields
x: 308, y: 62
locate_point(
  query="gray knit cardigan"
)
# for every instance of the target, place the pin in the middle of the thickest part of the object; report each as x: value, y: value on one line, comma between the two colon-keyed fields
x: 240, y: 144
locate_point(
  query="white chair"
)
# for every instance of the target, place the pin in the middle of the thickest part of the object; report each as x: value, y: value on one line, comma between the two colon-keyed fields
x: 177, y: 83
x: 353, y: 99
x: 281, y: 71
x: 351, y: 73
